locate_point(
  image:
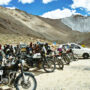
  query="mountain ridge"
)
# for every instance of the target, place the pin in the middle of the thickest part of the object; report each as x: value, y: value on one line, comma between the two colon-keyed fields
x: 21, y: 23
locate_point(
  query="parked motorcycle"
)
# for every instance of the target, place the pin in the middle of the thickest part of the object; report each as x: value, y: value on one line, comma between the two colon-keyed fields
x: 65, y: 58
x: 14, y: 76
x: 71, y: 55
x: 58, y: 61
x: 39, y: 61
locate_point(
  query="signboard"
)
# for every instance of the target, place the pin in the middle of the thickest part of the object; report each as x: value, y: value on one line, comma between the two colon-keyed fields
x: 54, y: 43
x: 83, y: 45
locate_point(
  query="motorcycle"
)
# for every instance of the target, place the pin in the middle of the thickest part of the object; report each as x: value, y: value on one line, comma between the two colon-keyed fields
x: 58, y: 61
x: 65, y: 58
x: 71, y: 55
x: 14, y: 76
x: 39, y: 61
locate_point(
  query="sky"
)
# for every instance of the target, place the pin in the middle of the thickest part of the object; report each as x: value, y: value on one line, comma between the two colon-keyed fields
x: 54, y: 9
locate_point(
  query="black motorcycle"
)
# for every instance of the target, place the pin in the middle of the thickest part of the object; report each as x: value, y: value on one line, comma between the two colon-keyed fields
x: 65, y: 58
x: 42, y: 62
x: 58, y: 61
x: 14, y: 76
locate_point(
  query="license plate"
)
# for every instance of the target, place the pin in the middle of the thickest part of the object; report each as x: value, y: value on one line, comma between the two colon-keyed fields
x: 1, y: 72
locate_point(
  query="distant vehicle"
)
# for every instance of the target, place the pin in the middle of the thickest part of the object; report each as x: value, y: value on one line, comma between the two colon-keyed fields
x: 79, y: 50
x: 23, y: 47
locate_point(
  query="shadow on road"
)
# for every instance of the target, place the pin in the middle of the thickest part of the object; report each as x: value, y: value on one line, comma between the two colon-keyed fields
x: 87, y: 69
x: 37, y: 72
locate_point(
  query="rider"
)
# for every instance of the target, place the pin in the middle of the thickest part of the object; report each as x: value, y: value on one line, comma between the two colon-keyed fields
x: 2, y: 55
x: 7, y: 51
x: 47, y: 47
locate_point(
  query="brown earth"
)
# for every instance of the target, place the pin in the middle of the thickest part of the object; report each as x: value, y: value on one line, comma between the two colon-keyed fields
x: 18, y: 24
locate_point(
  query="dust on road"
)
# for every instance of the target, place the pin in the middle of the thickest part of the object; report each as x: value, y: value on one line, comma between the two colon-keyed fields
x: 75, y: 76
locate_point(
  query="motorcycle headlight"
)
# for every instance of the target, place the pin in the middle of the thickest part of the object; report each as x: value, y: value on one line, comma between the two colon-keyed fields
x: 23, y: 62
x: 59, y: 58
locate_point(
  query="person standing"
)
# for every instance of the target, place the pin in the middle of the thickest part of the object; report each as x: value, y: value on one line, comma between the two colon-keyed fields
x: 2, y: 55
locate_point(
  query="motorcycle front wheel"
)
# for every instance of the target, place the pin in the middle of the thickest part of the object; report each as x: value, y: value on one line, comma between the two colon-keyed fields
x: 60, y: 64
x: 67, y: 60
x: 49, y: 66
x: 29, y: 83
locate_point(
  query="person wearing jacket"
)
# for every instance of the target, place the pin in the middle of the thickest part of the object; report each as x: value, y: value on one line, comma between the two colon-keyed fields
x: 2, y: 55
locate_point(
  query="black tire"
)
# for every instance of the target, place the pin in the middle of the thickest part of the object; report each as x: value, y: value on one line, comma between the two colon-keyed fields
x: 86, y: 56
x: 60, y: 64
x: 17, y: 85
x: 67, y: 60
x: 48, y: 65
x: 73, y: 58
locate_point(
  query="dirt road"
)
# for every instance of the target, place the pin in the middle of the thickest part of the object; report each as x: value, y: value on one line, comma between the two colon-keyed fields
x: 76, y: 76
x: 73, y: 77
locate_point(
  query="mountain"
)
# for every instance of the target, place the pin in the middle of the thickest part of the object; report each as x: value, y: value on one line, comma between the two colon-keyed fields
x: 19, y: 23
x: 78, y: 23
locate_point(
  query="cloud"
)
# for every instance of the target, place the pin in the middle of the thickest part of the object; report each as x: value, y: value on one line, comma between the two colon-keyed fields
x: 47, y: 1
x: 5, y: 2
x: 26, y: 1
x: 81, y: 3
x: 57, y: 14
x: 11, y: 7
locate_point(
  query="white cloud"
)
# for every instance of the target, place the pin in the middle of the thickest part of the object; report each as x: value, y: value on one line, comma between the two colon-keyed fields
x: 26, y: 1
x: 81, y: 3
x: 57, y: 14
x: 11, y: 7
x: 5, y: 2
x: 47, y: 1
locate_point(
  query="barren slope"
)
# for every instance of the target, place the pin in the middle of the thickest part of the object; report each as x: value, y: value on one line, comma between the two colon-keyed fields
x: 20, y: 23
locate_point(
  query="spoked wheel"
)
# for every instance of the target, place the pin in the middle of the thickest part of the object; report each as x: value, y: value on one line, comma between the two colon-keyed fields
x: 60, y: 64
x: 28, y: 83
x: 49, y: 66
x: 67, y: 60
x: 72, y: 58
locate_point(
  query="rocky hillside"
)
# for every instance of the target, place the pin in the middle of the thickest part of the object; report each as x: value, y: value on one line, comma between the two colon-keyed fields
x: 78, y: 23
x: 20, y: 23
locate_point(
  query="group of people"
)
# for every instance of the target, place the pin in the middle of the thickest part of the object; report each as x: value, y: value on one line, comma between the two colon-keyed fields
x: 10, y: 50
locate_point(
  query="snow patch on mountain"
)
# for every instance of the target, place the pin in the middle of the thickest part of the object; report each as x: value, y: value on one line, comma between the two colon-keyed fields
x: 78, y: 23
